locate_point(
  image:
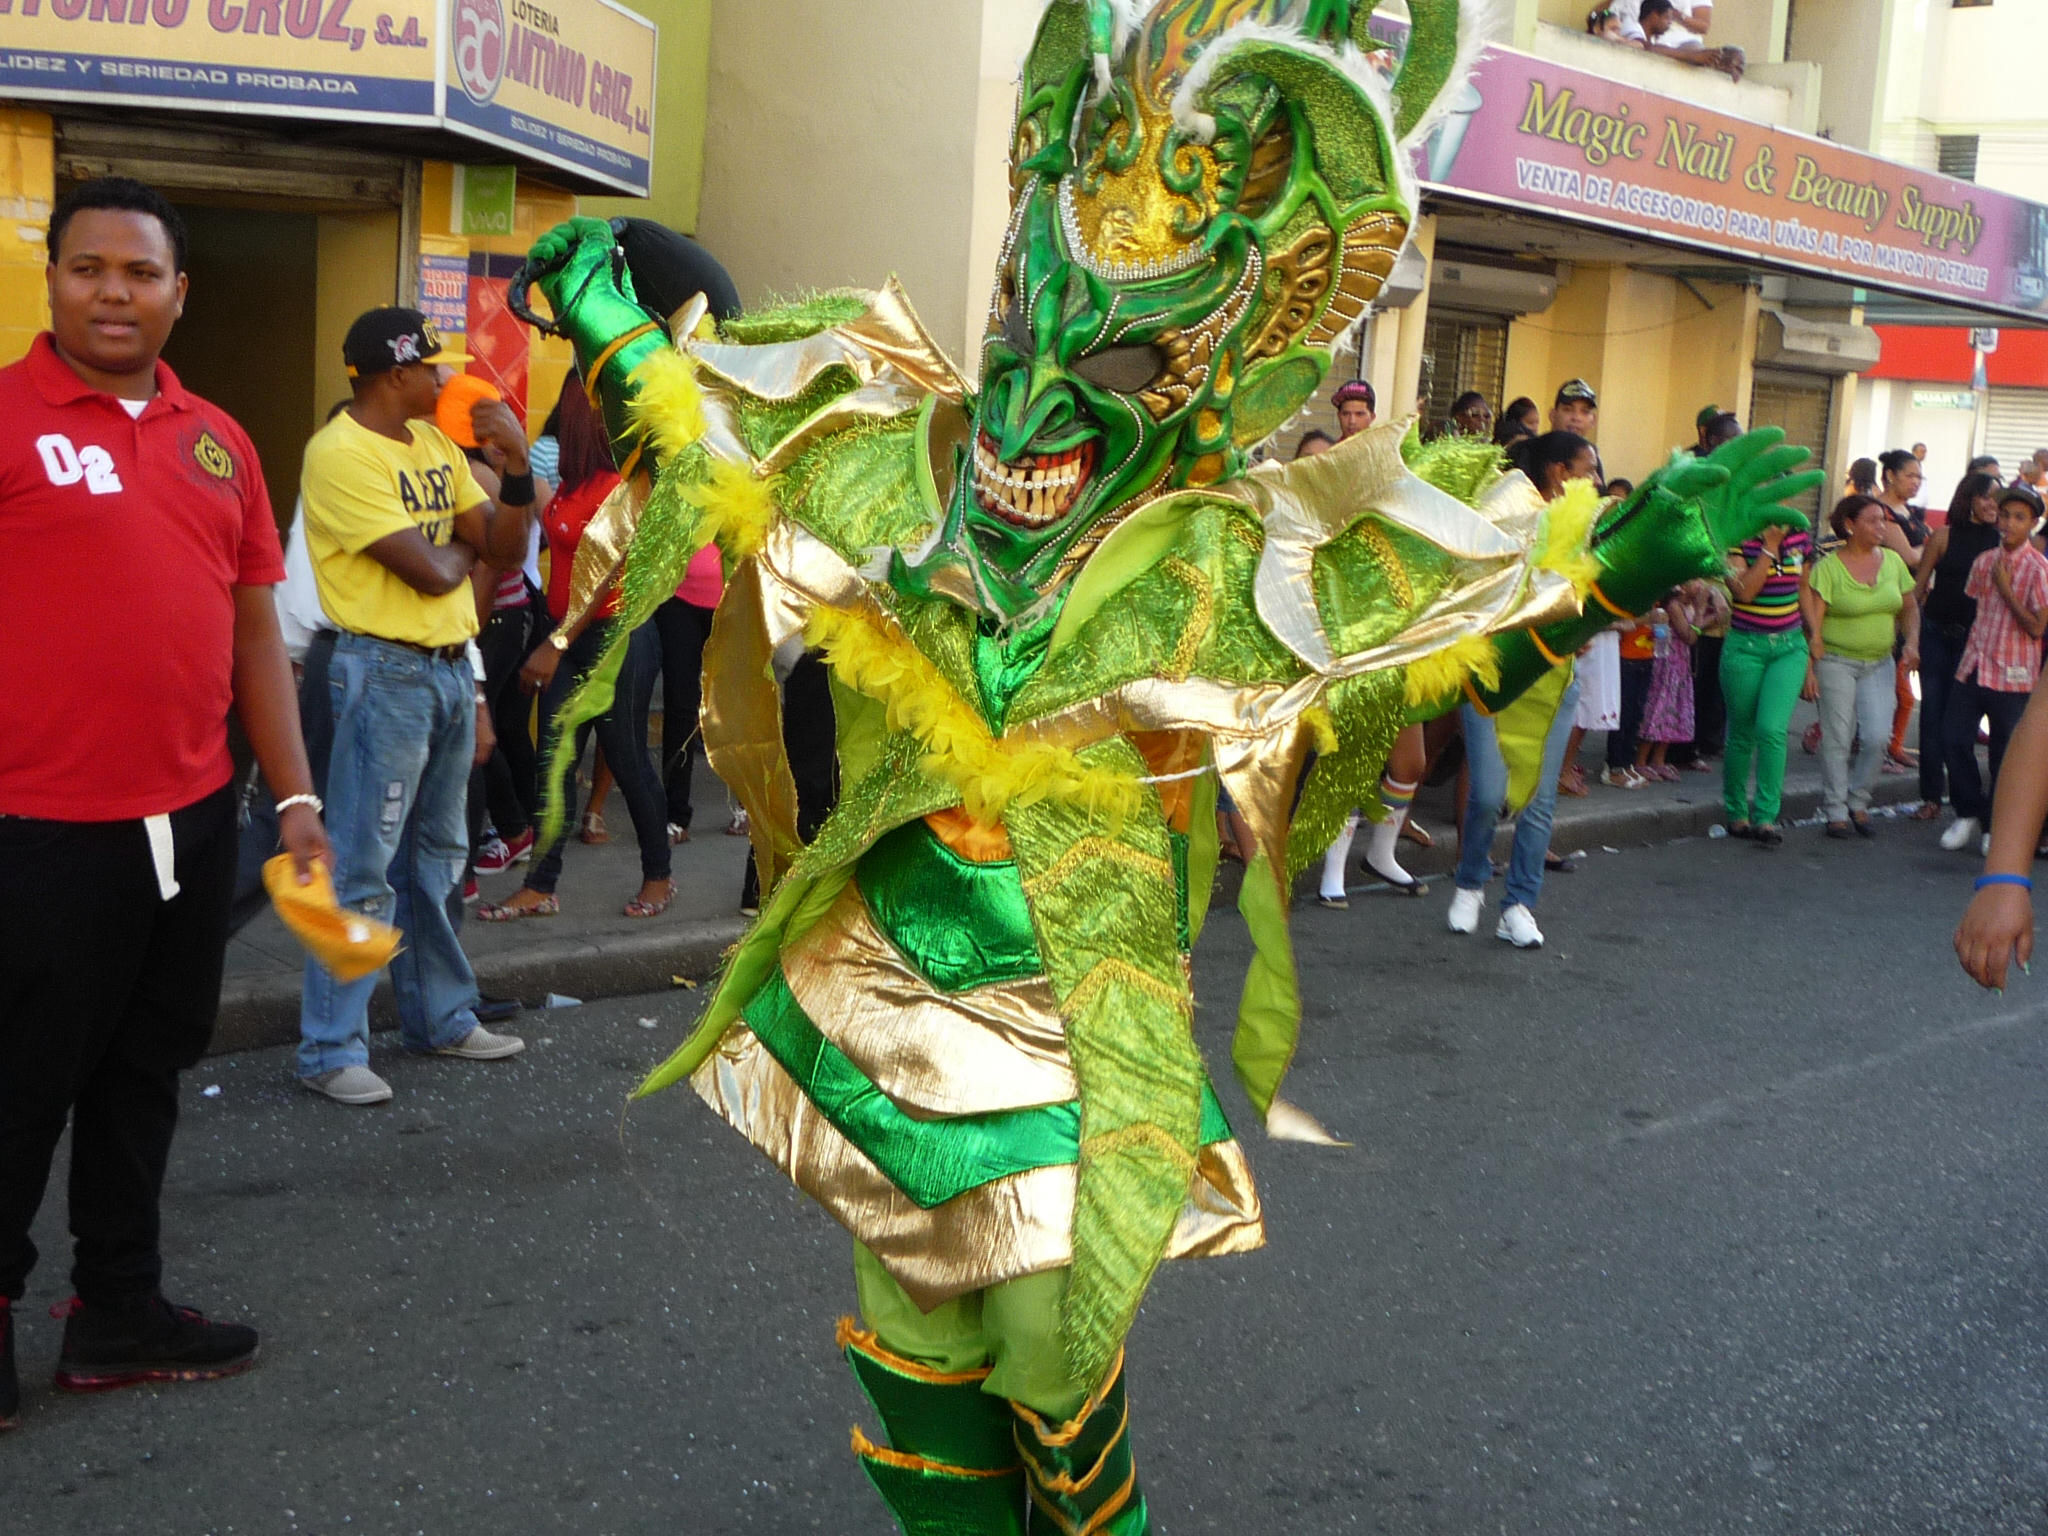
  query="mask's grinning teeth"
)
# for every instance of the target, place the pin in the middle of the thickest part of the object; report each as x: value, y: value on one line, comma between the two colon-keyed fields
x: 1035, y: 490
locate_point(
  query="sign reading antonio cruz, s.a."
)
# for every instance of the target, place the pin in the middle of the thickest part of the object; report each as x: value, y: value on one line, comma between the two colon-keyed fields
x: 568, y: 82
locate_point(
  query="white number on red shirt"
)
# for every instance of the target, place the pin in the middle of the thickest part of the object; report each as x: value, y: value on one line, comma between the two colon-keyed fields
x: 67, y: 465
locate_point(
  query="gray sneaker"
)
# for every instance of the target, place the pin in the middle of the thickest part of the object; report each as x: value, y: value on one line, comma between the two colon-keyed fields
x: 350, y: 1085
x: 481, y: 1045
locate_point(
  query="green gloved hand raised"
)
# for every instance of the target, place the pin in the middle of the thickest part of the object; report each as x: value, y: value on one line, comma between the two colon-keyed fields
x: 1682, y: 520
x: 579, y: 267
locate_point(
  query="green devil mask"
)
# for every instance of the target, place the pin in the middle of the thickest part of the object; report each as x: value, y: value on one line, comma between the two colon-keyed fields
x: 1205, y: 196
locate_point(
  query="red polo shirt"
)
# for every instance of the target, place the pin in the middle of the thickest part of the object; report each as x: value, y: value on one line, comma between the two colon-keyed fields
x: 121, y: 545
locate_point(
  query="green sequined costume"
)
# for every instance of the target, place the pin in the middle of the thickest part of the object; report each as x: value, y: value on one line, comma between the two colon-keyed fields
x: 1059, y: 609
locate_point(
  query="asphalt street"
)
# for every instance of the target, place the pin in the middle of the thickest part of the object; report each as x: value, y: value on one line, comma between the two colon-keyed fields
x: 1718, y: 1214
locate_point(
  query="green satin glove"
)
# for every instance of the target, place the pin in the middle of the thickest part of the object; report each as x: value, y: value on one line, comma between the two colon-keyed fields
x: 1682, y: 520
x: 580, y: 269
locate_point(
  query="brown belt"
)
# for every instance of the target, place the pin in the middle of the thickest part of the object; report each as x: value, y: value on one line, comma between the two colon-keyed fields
x: 438, y: 652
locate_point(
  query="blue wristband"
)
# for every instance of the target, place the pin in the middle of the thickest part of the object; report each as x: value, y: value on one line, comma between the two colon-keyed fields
x: 2019, y: 880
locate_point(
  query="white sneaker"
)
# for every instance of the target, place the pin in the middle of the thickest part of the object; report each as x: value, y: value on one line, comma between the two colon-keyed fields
x: 481, y: 1045
x: 1465, y: 909
x: 1519, y: 928
x: 1957, y: 838
x: 350, y: 1085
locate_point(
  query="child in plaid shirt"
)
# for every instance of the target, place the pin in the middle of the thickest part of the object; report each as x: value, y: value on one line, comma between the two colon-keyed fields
x: 2001, y: 661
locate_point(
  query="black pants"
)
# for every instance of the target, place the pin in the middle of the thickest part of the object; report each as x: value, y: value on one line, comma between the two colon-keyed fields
x: 1635, y: 692
x: 506, y: 788
x: 809, y: 737
x: 1967, y: 704
x: 107, y: 993
x: 1709, y: 708
x: 683, y: 627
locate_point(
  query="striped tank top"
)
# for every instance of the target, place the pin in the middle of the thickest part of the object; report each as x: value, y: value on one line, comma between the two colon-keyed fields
x: 1774, y: 610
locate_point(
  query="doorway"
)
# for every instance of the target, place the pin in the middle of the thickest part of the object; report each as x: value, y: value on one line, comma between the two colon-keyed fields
x: 246, y: 341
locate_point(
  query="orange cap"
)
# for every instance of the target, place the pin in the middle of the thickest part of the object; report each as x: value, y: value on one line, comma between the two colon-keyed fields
x: 458, y: 397
x: 347, y: 944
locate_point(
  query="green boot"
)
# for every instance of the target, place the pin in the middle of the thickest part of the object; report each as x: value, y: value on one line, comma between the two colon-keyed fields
x: 1083, y: 1482
x: 950, y: 1468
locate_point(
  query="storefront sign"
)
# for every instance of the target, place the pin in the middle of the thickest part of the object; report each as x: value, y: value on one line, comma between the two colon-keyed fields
x: 568, y: 83
x: 486, y: 198
x: 1530, y: 133
x: 444, y: 297
x: 1944, y: 400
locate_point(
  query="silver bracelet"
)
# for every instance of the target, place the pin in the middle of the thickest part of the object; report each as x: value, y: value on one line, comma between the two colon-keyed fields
x: 291, y: 800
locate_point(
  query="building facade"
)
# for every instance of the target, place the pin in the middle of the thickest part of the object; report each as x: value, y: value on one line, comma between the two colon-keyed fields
x: 328, y: 160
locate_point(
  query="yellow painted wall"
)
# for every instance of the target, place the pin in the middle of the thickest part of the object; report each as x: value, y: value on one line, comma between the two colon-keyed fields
x: 27, y: 186
x: 840, y: 147
x: 681, y: 74
x: 1651, y: 349
x: 357, y: 257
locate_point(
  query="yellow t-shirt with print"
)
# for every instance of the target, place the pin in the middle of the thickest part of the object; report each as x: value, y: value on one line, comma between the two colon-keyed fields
x: 360, y: 486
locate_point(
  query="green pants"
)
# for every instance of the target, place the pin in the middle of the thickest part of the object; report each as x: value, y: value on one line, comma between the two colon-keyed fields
x: 1012, y: 1327
x: 1761, y: 676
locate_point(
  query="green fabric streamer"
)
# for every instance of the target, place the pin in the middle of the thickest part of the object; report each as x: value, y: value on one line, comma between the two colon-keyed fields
x: 1106, y: 926
x: 1269, y: 1008
x: 669, y: 534
x: 1434, y: 27
x: 917, y: 890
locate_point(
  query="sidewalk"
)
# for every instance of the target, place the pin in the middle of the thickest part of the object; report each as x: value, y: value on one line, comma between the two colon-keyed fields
x: 592, y: 950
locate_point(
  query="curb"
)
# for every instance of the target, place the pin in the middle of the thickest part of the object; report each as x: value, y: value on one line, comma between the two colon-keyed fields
x: 1619, y: 822
x: 263, y: 1011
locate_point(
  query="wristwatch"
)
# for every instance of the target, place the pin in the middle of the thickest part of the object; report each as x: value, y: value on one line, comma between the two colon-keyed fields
x: 559, y: 640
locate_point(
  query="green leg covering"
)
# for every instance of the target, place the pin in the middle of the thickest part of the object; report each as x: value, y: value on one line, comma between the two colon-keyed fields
x: 1083, y: 1482
x: 951, y: 1467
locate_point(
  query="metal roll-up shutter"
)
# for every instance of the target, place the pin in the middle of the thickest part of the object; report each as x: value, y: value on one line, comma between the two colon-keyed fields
x: 1461, y: 352
x: 1800, y: 404
x: 221, y: 165
x: 2015, y: 424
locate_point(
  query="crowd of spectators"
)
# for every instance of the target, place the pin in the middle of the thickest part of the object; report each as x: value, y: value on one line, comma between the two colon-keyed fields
x: 1878, y: 613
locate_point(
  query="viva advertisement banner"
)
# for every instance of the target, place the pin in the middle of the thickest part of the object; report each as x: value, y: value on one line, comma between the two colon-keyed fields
x: 568, y: 83
x: 1532, y: 134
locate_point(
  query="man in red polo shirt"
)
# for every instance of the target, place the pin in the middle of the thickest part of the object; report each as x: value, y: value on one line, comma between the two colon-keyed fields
x: 140, y: 553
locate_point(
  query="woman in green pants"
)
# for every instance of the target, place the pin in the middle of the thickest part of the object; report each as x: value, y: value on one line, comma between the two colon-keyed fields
x: 1764, y: 667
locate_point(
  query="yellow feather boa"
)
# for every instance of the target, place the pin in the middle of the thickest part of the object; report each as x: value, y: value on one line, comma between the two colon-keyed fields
x: 873, y: 657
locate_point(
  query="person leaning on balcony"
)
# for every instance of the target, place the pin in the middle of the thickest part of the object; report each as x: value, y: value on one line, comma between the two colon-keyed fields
x: 1664, y: 27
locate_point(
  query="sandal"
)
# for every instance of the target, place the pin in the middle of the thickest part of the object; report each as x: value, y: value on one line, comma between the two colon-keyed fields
x: 1840, y: 830
x: 518, y: 911
x: 1862, y: 825
x: 737, y: 827
x: 1417, y: 833
x: 1927, y: 810
x: 593, y: 831
x: 677, y: 833
x: 1767, y: 835
x: 643, y: 909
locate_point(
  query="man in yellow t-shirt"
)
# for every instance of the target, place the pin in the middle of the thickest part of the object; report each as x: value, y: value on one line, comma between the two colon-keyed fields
x: 394, y: 524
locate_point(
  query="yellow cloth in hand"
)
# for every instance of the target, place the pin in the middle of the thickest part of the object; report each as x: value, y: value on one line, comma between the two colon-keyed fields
x: 348, y: 945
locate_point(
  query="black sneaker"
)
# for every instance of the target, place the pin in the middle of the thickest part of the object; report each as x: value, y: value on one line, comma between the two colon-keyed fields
x: 150, y: 1340
x: 10, y: 1384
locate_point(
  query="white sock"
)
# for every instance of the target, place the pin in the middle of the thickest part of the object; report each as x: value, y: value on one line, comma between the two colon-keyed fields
x: 1379, y: 848
x: 1333, y: 861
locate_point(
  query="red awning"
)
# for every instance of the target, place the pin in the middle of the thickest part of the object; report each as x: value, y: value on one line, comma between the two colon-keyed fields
x: 1933, y: 354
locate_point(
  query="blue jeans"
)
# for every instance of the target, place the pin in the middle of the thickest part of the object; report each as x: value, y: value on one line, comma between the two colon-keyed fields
x: 397, y: 786
x: 1489, y: 792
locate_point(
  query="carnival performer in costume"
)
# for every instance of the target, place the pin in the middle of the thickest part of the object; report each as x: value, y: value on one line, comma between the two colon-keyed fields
x: 1057, y: 611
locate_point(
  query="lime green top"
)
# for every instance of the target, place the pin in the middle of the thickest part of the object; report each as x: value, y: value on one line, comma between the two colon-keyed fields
x: 1860, y: 620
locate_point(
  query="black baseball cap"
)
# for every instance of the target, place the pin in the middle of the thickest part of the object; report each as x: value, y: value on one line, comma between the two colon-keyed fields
x: 383, y: 339
x: 1576, y: 389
